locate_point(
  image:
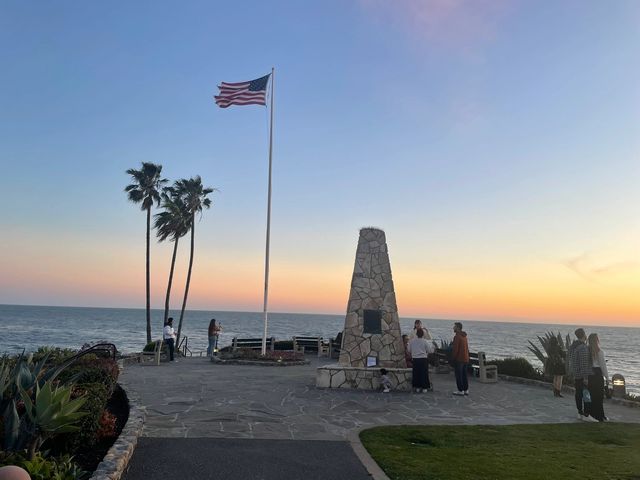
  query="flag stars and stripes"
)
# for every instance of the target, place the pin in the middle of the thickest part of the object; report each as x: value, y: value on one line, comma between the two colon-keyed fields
x: 253, y: 92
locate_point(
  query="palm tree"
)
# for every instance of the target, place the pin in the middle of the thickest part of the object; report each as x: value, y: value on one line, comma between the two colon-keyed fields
x: 194, y: 196
x: 146, y: 191
x: 174, y: 221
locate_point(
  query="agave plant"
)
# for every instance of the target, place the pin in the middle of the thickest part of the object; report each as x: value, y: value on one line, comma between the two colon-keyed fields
x: 48, y: 409
x: 23, y: 375
x: 543, y: 354
x: 51, y: 411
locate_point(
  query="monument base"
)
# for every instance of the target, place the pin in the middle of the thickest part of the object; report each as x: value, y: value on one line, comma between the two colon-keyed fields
x: 361, y: 378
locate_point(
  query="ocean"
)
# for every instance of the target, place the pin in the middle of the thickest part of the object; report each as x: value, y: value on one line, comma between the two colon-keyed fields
x: 28, y: 327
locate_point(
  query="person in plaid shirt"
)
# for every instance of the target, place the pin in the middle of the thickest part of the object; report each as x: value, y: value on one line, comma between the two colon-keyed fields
x: 580, y: 366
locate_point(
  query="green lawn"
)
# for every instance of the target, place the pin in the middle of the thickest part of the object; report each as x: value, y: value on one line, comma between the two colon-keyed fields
x: 578, y: 451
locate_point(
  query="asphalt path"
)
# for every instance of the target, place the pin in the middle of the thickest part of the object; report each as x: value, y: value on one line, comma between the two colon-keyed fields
x: 248, y: 459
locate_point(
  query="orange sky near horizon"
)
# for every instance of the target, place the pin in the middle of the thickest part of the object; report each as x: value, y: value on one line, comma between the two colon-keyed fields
x: 113, y: 276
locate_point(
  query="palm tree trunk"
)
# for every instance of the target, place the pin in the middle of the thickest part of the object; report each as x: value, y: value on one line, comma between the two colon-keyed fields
x: 148, y: 276
x: 186, y: 290
x: 173, y: 264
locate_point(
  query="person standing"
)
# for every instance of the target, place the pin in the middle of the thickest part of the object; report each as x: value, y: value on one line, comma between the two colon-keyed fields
x: 407, y: 352
x: 420, y: 348
x: 555, y: 364
x: 169, y: 336
x: 418, y: 325
x: 597, y: 378
x: 214, y: 333
x: 580, y: 366
x: 460, y: 356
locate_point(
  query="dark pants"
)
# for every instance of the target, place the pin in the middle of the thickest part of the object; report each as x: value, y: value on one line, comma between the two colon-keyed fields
x: 596, y: 388
x: 462, y: 382
x: 583, y: 407
x: 170, y: 343
x: 420, y: 373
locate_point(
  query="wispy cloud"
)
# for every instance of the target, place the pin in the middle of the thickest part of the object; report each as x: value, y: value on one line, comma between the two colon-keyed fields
x: 591, y: 270
x: 458, y: 24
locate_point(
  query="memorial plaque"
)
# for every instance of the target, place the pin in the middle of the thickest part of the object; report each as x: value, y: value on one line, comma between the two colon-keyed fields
x: 372, y: 322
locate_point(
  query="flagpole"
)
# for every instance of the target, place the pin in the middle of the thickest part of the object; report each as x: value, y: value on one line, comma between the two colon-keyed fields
x: 266, y: 259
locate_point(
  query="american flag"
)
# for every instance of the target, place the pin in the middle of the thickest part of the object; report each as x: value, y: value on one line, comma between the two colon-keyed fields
x: 253, y: 92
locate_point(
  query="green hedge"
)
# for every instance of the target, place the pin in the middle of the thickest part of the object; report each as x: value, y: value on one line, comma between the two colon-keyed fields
x: 151, y: 346
x: 92, y: 369
x: 517, y: 367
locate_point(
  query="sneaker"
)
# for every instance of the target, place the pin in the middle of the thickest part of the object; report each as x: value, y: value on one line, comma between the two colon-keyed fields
x: 466, y: 392
x: 591, y: 419
x: 430, y: 389
x: 581, y: 416
x: 457, y: 392
x: 386, y: 390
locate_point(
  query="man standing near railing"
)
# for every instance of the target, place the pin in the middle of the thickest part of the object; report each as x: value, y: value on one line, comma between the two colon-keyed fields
x: 169, y: 336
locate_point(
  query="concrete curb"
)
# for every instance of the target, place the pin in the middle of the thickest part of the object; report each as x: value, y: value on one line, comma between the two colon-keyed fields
x: 259, y: 363
x: 117, y: 458
x: 367, y: 460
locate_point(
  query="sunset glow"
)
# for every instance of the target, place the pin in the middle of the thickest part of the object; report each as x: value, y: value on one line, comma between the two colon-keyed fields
x: 503, y: 163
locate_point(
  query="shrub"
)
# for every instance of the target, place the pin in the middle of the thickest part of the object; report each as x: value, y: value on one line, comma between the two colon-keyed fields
x: 275, y: 356
x: 517, y: 367
x: 34, y: 405
x: 41, y: 468
x: 107, y: 426
x: 92, y: 369
x: 54, y: 355
x: 96, y: 401
x: 151, y: 346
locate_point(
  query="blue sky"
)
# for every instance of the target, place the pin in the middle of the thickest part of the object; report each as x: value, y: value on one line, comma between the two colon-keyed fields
x: 488, y: 139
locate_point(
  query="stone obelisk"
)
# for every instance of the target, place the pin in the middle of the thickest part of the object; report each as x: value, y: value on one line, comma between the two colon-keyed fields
x: 371, y: 335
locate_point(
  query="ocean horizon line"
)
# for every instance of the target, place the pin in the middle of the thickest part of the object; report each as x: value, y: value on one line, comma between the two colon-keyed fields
x: 523, y: 321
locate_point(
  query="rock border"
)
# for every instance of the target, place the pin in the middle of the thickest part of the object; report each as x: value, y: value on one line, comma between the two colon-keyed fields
x: 117, y: 458
x: 219, y: 361
x: 565, y: 388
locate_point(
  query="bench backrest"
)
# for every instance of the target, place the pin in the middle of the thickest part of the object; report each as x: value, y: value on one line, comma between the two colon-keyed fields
x: 474, y: 357
x: 310, y: 343
x: 252, y: 343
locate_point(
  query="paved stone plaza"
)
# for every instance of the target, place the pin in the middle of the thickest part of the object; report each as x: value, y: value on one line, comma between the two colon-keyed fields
x: 196, y: 398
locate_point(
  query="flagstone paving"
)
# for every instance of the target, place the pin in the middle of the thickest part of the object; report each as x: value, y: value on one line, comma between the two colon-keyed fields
x: 196, y: 398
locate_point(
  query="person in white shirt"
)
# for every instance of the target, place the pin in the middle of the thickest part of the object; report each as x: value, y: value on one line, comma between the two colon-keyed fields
x: 169, y: 336
x: 417, y: 325
x: 597, y: 378
x: 420, y: 348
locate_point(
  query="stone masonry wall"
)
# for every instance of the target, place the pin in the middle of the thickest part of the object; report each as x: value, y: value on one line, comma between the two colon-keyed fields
x: 372, y: 289
x: 337, y: 376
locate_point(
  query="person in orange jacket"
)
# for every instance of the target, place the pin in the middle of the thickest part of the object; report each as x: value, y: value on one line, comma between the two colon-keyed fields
x: 460, y: 356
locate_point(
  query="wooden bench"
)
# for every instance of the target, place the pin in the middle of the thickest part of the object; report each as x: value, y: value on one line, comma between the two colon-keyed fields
x: 157, y: 351
x: 309, y: 344
x: 477, y: 365
x: 252, y: 343
x: 486, y: 373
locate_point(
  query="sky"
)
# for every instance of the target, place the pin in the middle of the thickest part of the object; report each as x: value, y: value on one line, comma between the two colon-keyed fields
x: 497, y: 143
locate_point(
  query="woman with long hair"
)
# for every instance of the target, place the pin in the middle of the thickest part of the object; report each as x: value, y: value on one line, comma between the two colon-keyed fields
x: 597, y: 378
x: 555, y: 365
x: 420, y: 348
x: 214, y: 333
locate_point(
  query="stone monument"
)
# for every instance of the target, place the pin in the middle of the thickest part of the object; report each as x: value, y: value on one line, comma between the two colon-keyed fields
x: 371, y: 338
x: 371, y: 335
